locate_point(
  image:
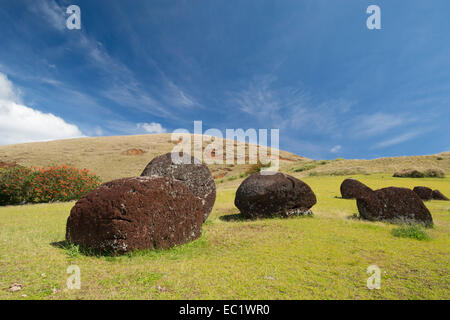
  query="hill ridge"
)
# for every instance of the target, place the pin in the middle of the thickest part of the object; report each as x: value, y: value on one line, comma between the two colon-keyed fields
x: 114, y: 157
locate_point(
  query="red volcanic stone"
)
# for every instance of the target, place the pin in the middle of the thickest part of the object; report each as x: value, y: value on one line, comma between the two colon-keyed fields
x: 261, y: 196
x: 395, y: 205
x: 352, y: 189
x: 135, y: 213
x: 424, y: 193
x: 437, y: 195
x: 194, y: 174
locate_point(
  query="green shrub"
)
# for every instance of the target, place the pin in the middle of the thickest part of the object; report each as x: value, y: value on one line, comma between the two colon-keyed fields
x: 306, y: 167
x: 434, y: 173
x: 311, y: 165
x: 412, y: 231
x: 409, y: 173
x: 36, y: 185
x: 337, y: 172
x: 16, y: 185
x: 348, y: 171
x: 414, y: 173
x: 255, y: 168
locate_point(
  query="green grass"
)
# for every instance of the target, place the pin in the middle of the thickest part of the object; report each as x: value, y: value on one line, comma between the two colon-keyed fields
x: 324, y: 257
x: 411, y: 231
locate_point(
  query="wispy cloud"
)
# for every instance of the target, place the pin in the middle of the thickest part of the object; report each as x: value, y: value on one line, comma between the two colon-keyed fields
x: 379, y: 123
x: 336, y: 149
x: 177, y: 97
x: 51, y: 12
x: 398, y: 139
x: 126, y: 90
x: 132, y: 96
x: 120, y: 84
x: 289, y: 107
x: 258, y: 99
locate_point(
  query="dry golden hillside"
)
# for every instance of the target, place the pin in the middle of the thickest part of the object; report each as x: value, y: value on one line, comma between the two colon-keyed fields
x: 381, y: 165
x: 125, y: 156
x: 114, y: 157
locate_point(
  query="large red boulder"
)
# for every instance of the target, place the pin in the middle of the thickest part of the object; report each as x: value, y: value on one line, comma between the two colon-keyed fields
x: 353, y: 189
x: 424, y: 193
x: 194, y: 174
x: 278, y: 194
x: 135, y: 213
x: 395, y: 205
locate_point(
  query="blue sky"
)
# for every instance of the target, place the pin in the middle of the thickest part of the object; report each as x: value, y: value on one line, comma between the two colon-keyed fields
x: 310, y: 68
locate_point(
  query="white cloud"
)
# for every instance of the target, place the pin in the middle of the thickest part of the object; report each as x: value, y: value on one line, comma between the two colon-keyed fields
x: 7, y: 90
x: 19, y: 123
x: 336, y: 149
x: 152, y: 127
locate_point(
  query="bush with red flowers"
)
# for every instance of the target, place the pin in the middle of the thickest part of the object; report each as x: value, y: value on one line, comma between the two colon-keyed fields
x: 36, y: 185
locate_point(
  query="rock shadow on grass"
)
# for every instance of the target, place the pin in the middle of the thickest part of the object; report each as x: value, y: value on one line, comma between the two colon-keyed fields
x: 239, y: 217
x: 355, y: 216
x: 73, y: 250
x: 174, y: 253
x: 233, y: 217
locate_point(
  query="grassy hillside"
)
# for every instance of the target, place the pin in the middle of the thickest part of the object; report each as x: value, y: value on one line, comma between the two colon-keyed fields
x: 382, y: 165
x: 323, y: 257
x: 117, y: 157
x: 112, y: 157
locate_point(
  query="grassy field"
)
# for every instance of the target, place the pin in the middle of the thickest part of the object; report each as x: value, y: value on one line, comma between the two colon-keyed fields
x: 323, y: 257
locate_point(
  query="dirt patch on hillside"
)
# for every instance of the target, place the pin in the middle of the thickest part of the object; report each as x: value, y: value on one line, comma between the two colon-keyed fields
x: 4, y: 164
x: 220, y: 175
x: 133, y: 152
